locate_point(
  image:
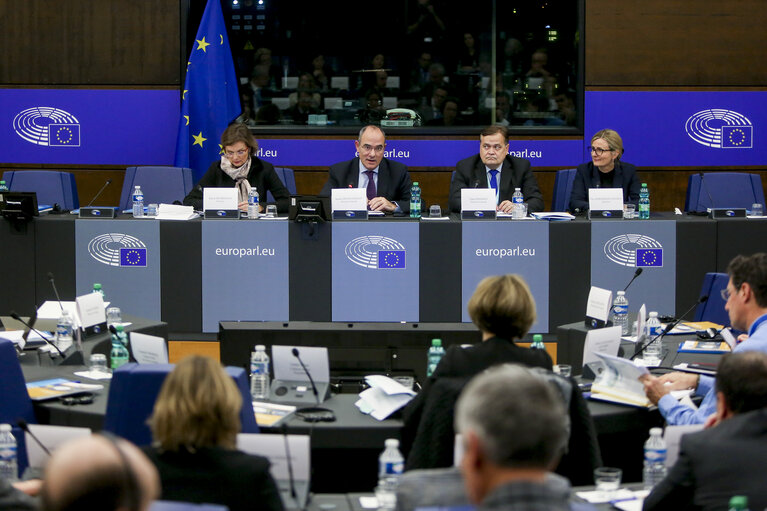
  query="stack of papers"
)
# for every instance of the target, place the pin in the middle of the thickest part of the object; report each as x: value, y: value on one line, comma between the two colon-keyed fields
x: 175, y: 212
x: 384, y: 397
x: 553, y: 215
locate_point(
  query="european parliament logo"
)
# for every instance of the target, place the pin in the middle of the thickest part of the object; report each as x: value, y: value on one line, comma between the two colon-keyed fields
x: 48, y: 126
x: 116, y: 249
x: 376, y: 253
x: 721, y: 129
x: 634, y: 250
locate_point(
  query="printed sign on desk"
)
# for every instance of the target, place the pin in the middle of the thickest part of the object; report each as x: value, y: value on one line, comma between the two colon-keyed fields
x: 244, y: 272
x: 619, y: 248
x: 501, y: 247
x: 124, y: 257
x: 375, y: 271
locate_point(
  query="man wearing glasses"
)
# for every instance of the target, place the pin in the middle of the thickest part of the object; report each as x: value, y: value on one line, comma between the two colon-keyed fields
x: 495, y: 168
x: 387, y: 182
x: 746, y: 296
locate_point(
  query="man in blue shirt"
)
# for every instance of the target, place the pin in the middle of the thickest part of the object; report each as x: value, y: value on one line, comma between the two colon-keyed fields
x: 746, y: 296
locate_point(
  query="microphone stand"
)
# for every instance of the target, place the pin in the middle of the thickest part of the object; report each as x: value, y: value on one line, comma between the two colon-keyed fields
x: 313, y: 413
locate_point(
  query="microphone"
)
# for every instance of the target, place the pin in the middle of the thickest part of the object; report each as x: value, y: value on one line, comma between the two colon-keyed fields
x: 703, y: 183
x: 56, y: 291
x: 25, y: 428
x: 109, y: 182
x: 47, y: 341
x: 669, y: 327
x: 291, y: 478
x: 476, y: 183
x: 637, y: 273
x: 312, y: 414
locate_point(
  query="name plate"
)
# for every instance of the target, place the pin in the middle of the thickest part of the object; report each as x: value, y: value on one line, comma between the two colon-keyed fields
x: 349, y: 203
x: 727, y: 213
x: 605, y: 203
x: 478, y: 204
x: 97, y: 213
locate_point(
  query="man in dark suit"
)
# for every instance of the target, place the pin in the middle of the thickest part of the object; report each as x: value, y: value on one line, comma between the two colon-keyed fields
x: 728, y: 459
x: 494, y: 166
x: 387, y: 182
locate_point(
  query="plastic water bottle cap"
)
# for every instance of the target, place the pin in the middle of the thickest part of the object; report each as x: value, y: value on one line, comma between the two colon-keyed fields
x: 621, y: 293
x: 391, y: 442
x: 537, y: 338
x: 5, y: 428
x: 119, y: 328
x: 436, y: 342
x: 656, y: 431
x: 260, y: 347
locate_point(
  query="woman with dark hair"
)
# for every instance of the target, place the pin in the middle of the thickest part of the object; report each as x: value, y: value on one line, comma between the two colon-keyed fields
x: 239, y: 167
x: 194, y: 427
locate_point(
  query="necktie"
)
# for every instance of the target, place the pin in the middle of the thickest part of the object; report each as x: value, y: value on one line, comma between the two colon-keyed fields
x: 494, y: 180
x: 371, y: 190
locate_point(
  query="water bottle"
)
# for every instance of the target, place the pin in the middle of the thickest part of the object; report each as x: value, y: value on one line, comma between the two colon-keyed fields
x: 259, y: 373
x: 253, y: 200
x: 138, y: 202
x: 97, y: 289
x: 436, y: 352
x: 654, y: 459
x: 391, y: 464
x: 738, y: 503
x: 652, y: 352
x: 3, y: 187
x: 121, y: 335
x: 538, y: 342
x: 621, y: 312
x: 9, y: 467
x: 64, y: 329
x: 644, y: 202
x: 415, y: 200
x: 517, y: 204
x: 119, y: 355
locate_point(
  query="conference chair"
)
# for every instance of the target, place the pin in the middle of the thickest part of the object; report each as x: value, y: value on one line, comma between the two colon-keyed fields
x: 52, y: 187
x: 161, y: 185
x: 713, y: 308
x: 723, y: 190
x: 14, y: 399
x: 563, y: 188
x: 288, y: 178
x: 134, y: 390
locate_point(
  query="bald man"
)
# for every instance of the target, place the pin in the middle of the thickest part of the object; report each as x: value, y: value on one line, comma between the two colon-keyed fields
x: 97, y: 472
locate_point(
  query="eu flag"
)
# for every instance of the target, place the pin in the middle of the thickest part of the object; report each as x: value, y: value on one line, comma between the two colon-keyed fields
x: 210, y: 99
x: 133, y: 257
x: 737, y: 137
x: 63, y: 135
x: 391, y: 259
x: 649, y: 257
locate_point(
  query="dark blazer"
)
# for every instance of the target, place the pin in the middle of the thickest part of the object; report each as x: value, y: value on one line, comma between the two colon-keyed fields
x: 393, y: 180
x: 587, y: 176
x: 215, y: 475
x: 515, y: 173
x: 262, y: 175
x: 461, y: 363
x: 716, y: 464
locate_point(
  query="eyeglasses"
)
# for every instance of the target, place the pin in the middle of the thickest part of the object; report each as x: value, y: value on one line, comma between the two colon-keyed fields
x: 725, y: 294
x: 496, y: 147
x: 598, y: 150
x: 369, y: 148
x: 241, y: 152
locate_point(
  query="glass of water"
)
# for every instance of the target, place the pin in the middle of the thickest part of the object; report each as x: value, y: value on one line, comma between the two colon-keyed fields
x: 271, y: 211
x: 98, y: 363
x: 114, y: 316
x: 435, y: 211
x: 563, y: 370
x: 607, y: 480
x: 756, y: 209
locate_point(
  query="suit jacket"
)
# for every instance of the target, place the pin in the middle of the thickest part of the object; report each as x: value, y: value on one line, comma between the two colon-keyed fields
x: 215, y: 475
x: 587, y: 176
x: 393, y: 180
x: 262, y: 175
x: 515, y: 173
x: 716, y: 464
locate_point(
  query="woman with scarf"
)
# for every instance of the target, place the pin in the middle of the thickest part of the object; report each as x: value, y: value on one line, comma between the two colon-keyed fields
x: 240, y: 168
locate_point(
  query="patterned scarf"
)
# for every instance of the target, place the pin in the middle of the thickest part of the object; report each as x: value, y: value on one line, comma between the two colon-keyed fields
x: 240, y: 176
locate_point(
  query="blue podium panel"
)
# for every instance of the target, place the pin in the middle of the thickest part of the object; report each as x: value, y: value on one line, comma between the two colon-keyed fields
x: 124, y: 256
x: 375, y: 272
x: 244, y: 271
x: 619, y: 247
x: 501, y: 247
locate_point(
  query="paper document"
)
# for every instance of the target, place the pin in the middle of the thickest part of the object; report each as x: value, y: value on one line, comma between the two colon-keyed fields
x: 148, y: 349
x: 384, y: 397
x: 175, y: 212
x: 553, y: 215
x: 619, y: 382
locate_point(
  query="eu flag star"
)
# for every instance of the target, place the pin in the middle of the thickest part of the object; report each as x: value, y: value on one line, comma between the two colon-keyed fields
x: 202, y: 45
x: 222, y: 38
x: 187, y: 119
x: 199, y: 139
x: 183, y: 94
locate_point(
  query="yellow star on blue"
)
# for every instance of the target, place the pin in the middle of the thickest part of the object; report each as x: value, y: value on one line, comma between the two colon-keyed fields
x: 199, y: 139
x: 183, y: 94
x: 187, y: 121
x: 202, y: 45
x: 222, y: 38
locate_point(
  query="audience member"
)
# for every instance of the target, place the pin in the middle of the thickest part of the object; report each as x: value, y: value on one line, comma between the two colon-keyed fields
x: 301, y: 111
x: 373, y: 110
x: 321, y: 73
x: 248, y: 116
x: 194, y: 426
x: 450, y: 112
x: 468, y: 59
x: 436, y: 80
x: 514, y: 429
x: 101, y: 473
x: 565, y: 101
x: 605, y: 170
x: 481, y: 171
x: 728, y: 459
x: 269, y: 114
x: 387, y: 182
x: 746, y: 296
x: 420, y: 76
x: 502, y: 108
x: 306, y: 84
x: 263, y: 57
x: 240, y: 168
x: 259, y: 86
x: 436, y: 105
